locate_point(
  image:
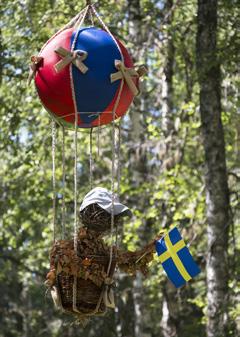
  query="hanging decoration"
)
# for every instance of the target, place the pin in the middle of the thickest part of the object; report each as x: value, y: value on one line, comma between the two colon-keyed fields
x: 89, y: 264
x: 85, y: 78
x: 82, y: 68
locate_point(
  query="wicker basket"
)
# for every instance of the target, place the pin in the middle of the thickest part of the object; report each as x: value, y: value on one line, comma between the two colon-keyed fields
x: 90, y: 280
x: 79, y: 280
x: 87, y: 293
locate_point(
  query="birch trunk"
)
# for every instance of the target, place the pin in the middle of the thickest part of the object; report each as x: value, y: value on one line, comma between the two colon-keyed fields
x: 169, y: 305
x: 138, y: 162
x: 167, y: 80
x: 217, y: 194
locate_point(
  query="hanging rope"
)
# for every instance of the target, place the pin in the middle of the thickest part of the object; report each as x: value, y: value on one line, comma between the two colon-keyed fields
x: 63, y: 183
x: 113, y: 137
x: 54, y: 177
x: 91, y: 158
x: 118, y: 174
x: 91, y: 17
x: 75, y: 134
x: 68, y: 25
x: 113, y: 174
x: 75, y: 209
x: 98, y: 135
x: 90, y: 13
x: 75, y: 183
x: 105, y: 27
x: 119, y: 158
x: 77, y: 25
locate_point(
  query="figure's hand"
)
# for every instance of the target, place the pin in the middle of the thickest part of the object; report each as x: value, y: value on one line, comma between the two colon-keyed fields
x: 51, y: 277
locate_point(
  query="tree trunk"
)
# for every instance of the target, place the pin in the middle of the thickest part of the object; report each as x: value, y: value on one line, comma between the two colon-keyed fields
x: 170, y: 311
x: 167, y: 81
x: 138, y: 160
x: 217, y: 194
x: 169, y: 305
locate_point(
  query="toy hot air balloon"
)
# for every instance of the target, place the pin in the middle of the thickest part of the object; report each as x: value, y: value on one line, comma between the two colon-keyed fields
x: 88, y: 72
x: 85, y: 78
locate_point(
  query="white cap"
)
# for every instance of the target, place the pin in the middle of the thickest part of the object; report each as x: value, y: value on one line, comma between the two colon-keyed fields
x: 103, y: 198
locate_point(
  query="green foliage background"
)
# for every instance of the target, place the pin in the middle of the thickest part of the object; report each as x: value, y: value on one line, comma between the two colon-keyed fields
x: 169, y: 186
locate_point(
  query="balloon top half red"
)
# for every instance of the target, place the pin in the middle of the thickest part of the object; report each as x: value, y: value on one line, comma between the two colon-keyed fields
x: 85, y: 73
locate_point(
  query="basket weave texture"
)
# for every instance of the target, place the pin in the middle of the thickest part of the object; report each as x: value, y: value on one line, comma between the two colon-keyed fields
x: 88, y: 266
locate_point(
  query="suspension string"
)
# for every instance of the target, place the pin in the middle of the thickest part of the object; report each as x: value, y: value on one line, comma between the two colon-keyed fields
x: 118, y: 173
x: 113, y: 174
x: 91, y: 157
x: 114, y: 112
x: 68, y: 25
x: 63, y: 183
x: 75, y: 309
x: 105, y: 27
x: 119, y: 158
x: 79, y: 23
x: 77, y: 26
x: 54, y: 176
x: 75, y: 181
x: 112, y: 191
x: 90, y: 13
x: 75, y: 209
x: 98, y: 135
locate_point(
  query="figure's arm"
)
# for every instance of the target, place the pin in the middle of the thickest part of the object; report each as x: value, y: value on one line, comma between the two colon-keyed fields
x: 131, y: 262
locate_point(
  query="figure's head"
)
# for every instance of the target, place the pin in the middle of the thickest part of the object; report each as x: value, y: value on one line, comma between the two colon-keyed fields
x: 96, y: 210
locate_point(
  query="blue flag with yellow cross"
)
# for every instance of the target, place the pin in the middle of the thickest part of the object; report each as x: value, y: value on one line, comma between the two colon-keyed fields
x: 176, y: 259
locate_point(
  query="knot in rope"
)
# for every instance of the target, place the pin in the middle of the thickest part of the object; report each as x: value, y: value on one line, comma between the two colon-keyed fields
x: 35, y: 64
x: 108, y: 281
x: 76, y: 57
x: 108, y: 294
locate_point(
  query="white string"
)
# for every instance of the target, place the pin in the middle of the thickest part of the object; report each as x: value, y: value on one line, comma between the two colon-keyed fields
x: 68, y: 25
x: 107, y: 29
x: 98, y: 135
x: 91, y: 158
x: 119, y: 159
x: 78, y: 25
x: 54, y: 177
x: 63, y: 183
x: 75, y: 159
x: 113, y: 173
x: 75, y: 182
x: 113, y: 137
x: 91, y: 15
x: 75, y: 133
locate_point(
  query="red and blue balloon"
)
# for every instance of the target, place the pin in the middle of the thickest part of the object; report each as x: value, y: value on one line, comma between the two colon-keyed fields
x: 90, y: 91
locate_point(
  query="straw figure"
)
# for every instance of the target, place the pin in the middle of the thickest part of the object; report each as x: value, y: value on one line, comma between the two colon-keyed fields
x: 82, y: 280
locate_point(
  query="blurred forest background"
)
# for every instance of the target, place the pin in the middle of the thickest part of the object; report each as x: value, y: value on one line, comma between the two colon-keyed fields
x: 176, y: 167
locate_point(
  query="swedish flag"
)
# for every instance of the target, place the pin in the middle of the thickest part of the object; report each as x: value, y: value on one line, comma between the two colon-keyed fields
x: 176, y: 259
